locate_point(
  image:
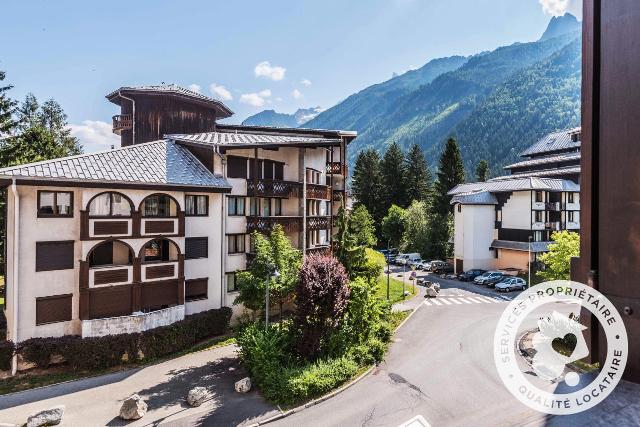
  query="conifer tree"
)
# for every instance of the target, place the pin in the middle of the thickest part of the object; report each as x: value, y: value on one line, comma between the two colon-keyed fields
x: 7, y: 107
x: 482, y: 170
x: 450, y: 174
x: 367, y: 184
x: 393, y: 178
x: 418, y: 176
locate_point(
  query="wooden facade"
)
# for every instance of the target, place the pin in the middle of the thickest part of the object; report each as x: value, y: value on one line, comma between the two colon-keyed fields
x: 610, y: 182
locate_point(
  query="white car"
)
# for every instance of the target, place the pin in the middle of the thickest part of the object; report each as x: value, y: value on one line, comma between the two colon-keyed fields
x: 511, y: 283
x: 487, y: 277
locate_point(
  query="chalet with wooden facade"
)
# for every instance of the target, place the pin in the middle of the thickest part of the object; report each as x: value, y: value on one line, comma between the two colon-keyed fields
x: 506, y: 222
x: 141, y: 236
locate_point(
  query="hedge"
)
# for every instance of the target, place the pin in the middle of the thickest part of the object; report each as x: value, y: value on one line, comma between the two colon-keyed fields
x: 112, y: 350
x: 6, y: 353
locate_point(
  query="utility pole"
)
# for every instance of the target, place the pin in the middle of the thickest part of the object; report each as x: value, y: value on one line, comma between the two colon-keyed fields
x: 388, y: 268
x: 529, y: 282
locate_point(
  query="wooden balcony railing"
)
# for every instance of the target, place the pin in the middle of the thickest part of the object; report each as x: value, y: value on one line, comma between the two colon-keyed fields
x: 122, y: 122
x: 337, y: 168
x: 316, y: 191
x: 320, y: 250
x: 318, y: 222
x: 130, y: 226
x: 291, y: 224
x: 273, y: 188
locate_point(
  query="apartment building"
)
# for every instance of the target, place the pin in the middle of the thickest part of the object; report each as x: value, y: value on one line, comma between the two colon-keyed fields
x: 506, y: 222
x: 140, y: 236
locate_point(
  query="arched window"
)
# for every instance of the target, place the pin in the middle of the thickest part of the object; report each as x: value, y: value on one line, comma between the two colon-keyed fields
x: 112, y: 252
x: 159, y: 250
x: 110, y: 204
x: 159, y: 205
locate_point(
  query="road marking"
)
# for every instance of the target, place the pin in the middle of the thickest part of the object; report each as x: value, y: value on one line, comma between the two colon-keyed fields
x: 437, y: 302
x: 444, y: 300
x: 465, y: 301
x: 489, y: 299
x: 427, y: 302
x: 475, y: 299
x: 505, y: 298
x: 455, y: 301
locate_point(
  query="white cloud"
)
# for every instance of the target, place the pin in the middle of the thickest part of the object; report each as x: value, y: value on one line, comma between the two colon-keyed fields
x: 265, y: 93
x: 194, y: 88
x: 296, y: 94
x: 560, y: 7
x: 95, y: 135
x: 220, y: 91
x: 265, y: 69
x: 306, y: 82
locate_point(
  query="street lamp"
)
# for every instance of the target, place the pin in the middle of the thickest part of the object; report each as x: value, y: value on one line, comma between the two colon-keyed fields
x: 388, y: 267
x: 274, y: 275
x: 529, y: 282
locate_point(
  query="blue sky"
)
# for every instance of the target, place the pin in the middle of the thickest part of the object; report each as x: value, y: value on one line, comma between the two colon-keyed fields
x: 254, y: 55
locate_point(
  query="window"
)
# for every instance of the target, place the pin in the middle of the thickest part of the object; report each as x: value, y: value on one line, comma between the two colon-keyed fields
x: 235, y: 206
x: 56, y: 308
x: 196, y: 247
x: 110, y: 253
x: 266, y: 207
x: 196, y: 289
x: 571, y: 216
x: 313, y: 207
x: 109, y: 204
x: 268, y: 169
x: 236, y: 243
x: 259, y: 166
x: 277, y: 207
x: 236, y: 167
x: 459, y: 208
x: 252, y: 205
x: 231, y: 282
x: 54, y: 255
x: 159, y: 205
x: 538, y: 196
x: 55, y: 204
x: 313, y: 176
x: 538, y: 216
x: 160, y: 250
x: 570, y: 197
x: 196, y: 205
x: 279, y: 171
x: 537, y: 236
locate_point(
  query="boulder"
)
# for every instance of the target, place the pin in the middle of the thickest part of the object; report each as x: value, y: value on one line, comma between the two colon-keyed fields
x: 244, y: 385
x: 133, y: 408
x: 436, y: 287
x: 48, y: 417
x: 197, y: 396
x: 431, y: 293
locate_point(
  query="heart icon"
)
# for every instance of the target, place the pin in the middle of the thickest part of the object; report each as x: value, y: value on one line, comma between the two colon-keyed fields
x: 566, y: 345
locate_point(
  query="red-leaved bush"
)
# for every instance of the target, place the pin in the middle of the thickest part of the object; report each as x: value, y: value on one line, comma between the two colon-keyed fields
x: 322, y: 296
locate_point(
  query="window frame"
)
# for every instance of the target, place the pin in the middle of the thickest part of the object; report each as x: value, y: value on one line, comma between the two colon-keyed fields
x: 196, y: 297
x: 571, y: 216
x: 571, y: 197
x: 42, y: 244
x: 64, y: 297
x: 186, y: 252
x: 535, y: 196
x: 111, y: 215
x: 237, y: 237
x: 171, y: 199
x: 55, y: 204
x: 235, y: 205
x: 195, y: 205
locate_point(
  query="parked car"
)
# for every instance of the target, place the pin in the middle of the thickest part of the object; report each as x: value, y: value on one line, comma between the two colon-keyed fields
x: 409, y: 257
x: 509, y: 284
x: 414, y: 263
x: 443, y: 268
x: 469, y: 275
x: 435, y: 264
x: 389, y: 254
x: 489, y: 278
x: 422, y: 266
x: 400, y: 258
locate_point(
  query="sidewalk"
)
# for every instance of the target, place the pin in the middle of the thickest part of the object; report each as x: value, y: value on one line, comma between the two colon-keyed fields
x: 96, y: 401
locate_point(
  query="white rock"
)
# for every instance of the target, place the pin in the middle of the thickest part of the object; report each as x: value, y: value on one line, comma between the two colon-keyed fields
x: 244, y: 385
x: 436, y: 286
x: 48, y: 417
x: 431, y: 293
x: 197, y: 396
x: 133, y: 408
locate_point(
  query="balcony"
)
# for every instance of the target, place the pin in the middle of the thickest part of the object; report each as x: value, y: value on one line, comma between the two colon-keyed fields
x: 273, y: 188
x: 317, y: 191
x: 538, y: 206
x: 318, y: 222
x: 169, y: 226
x: 554, y: 206
x: 122, y: 122
x: 337, y: 194
x: 337, y: 168
x: 133, y: 323
x: 573, y: 225
x: 538, y: 226
x: 553, y: 226
x: 319, y: 250
x: 160, y: 271
x: 110, y: 275
x: 291, y: 224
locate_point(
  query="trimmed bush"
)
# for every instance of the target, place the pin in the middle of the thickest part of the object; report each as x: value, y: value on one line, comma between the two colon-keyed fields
x: 96, y: 353
x: 6, y: 353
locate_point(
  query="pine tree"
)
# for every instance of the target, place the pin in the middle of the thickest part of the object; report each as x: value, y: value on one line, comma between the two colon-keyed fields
x: 418, y: 176
x: 482, y: 170
x: 393, y: 178
x: 7, y: 107
x: 362, y: 227
x: 366, y: 184
x: 450, y: 174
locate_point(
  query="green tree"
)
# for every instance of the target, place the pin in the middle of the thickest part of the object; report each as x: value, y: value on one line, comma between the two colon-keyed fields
x: 393, y: 178
x: 348, y: 250
x: 362, y: 227
x: 367, y: 182
x: 393, y: 226
x: 416, y: 228
x: 274, y: 252
x: 28, y: 112
x: 558, y: 260
x: 7, y: 108
x: 482, y: 170
x: 418, y: 177
x: 450, y: 174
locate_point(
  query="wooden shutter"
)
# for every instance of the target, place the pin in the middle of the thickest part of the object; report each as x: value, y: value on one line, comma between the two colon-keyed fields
x: 56, y: 308
x: 268, y: 169
x: 236, y: 167
x: 196, y: 289
x: 156, y: 296
x: 54, y: 255
x: 196, y: 247
x: 279, y: 171
x: 111, y: 301
x: 160, y: 271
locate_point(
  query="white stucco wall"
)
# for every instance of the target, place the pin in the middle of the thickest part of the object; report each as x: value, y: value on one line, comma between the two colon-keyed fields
x: 516, y: 213
x: 474, y: 232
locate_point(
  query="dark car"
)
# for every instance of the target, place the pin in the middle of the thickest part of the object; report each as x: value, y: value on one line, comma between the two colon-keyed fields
x: 443, y: 268
x: 493, y: 279
x: 469, y: 275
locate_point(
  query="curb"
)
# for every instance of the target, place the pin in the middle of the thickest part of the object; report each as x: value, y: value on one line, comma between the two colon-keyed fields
x: 330, y: 394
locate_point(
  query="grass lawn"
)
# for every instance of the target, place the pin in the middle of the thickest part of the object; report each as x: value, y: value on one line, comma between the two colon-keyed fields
x: 395, y: 288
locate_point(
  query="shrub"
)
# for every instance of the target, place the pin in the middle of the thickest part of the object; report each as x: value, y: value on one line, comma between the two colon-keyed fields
x: 39, y: 350
x: 6, y: 354
x: 318, y: 378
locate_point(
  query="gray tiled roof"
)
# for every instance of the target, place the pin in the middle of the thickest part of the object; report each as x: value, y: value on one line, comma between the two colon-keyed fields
x: 475, y: 198
x: 159, y: 162
x: 240, y: 138
x: 570, y: 170
x: 545, y: 160
x: 521, y: 246
x: 555, y: 141
x: 510, y: 183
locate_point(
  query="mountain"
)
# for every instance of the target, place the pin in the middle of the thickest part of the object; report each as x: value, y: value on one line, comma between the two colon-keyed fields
x: 472, y: 98
x: 272, y: 118
x: 560, y: 25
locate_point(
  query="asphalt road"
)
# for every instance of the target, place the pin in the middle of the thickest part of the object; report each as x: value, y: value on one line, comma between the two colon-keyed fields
x: 440, y: 366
